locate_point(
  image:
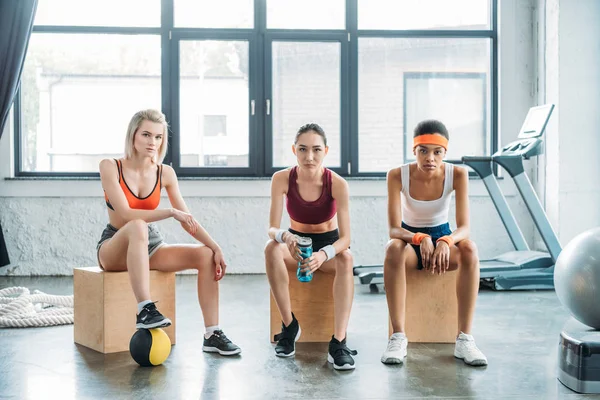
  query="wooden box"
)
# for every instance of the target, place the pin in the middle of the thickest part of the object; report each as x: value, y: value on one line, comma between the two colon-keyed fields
x: 105, y: 308
x: 312, y: 304
x: 431, y: 307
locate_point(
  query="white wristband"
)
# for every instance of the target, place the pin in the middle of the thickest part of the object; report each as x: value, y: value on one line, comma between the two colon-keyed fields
x: 279, y: 236
x: 329, y: 250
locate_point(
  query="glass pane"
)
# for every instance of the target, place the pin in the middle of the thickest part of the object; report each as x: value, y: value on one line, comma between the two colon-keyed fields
x: 424, y: 14
x: 404, y: 81
x: 306, y: 88
x: 214, y: 14
x: 214, y: 96
x: 144, y: 13
x: 306, y: 14
x: 78, y: 95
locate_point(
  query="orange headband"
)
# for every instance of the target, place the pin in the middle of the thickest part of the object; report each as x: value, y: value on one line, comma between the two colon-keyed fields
x: 430, y: 139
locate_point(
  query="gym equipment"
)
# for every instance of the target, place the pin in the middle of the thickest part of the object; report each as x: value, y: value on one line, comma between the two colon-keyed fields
x: 150, y: 347
x: 577, y: 277
x: 20, y: 308
x: 577, y: 283
x: 579, y: 357
x: 522, y: 268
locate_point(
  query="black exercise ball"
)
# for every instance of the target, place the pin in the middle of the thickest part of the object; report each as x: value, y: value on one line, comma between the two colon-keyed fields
x: 150, y: 347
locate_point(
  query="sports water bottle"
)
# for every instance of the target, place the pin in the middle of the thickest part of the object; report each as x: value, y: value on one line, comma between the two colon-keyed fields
x: 305, y: 246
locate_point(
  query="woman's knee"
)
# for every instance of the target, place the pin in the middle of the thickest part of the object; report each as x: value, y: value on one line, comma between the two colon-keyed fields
x: 203, y: 257
x: 468, y: 252
x: 272, y: 249
x: 344, y: 261
x: 137, y: 229
x: 395, y: 248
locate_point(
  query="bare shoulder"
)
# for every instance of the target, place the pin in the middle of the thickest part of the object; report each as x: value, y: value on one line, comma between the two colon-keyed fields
x: 460, y: 172
x: 282, y: 175
x: 168, y: 170
x: 107, y: 166
x: 339, y: 186
x: 460, y: 177
x: 280, y: 179
x: 337, y: 180
x: 394, y: 178
x: 393, y: 174
x: 168, y: 174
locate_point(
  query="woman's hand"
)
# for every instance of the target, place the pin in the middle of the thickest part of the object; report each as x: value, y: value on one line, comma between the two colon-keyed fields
x: 187, y: 221
x: 220, y: 264
x: 313, y: 263
x: 291, y: 241
x: 427, y: 249
x: 441, y: 257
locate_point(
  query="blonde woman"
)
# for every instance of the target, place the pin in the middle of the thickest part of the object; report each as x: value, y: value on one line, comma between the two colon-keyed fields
x: 130, y: 242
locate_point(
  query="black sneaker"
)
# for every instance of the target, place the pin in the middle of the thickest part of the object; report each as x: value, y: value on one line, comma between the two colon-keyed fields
x: 219, y: 343
x: 340, y: 355
x: 286, y: 340
x: 150, y: 318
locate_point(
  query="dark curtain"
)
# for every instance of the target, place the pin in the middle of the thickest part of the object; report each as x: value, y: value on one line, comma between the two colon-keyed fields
x: 16, y: 23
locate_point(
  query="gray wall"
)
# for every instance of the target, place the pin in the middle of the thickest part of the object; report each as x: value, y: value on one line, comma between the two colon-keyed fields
x: 52, y: 226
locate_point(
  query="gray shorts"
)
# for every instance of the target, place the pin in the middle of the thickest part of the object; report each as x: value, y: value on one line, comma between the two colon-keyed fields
x: 155, y: 239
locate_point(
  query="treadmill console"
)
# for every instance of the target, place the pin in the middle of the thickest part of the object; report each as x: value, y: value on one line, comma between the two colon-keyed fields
x: 525, y: 148
x: 529, y: 142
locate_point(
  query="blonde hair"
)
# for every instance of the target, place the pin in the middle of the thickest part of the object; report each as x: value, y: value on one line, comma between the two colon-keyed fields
x: 137, y: 119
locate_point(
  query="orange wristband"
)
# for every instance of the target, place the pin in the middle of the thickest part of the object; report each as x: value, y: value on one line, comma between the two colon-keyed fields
x: 418, y: 237
x: 448, y: 239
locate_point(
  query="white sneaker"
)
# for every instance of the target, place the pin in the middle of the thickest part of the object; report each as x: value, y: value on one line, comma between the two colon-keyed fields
x: 467, y: 350
x: 396, y: 349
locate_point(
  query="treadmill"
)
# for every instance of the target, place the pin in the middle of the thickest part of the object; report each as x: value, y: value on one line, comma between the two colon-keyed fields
x: 522, y: 268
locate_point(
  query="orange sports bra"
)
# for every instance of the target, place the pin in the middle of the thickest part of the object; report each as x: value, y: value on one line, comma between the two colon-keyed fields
x: 149, y: 202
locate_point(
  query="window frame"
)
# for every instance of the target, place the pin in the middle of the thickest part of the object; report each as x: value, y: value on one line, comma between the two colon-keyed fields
x: 260, y: 145
x: 407, y: 130
x: 307, y: 37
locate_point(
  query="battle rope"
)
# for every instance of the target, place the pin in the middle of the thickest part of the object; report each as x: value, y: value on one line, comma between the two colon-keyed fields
x: 21, y: 309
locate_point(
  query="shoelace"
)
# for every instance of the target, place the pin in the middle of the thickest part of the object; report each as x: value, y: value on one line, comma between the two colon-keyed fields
x: 470, y: 345
x: 151, y: 309
x: 221, y: 335
x: 395, y: 344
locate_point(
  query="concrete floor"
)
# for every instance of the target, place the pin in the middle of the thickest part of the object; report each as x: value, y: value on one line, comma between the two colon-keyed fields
x: 518, y: 331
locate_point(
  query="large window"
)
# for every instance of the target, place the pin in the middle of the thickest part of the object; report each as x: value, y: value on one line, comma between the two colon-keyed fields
x: 402, y: 81
x: 237, y: 78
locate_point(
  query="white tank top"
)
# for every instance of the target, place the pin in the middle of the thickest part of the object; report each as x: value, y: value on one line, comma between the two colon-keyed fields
x: 426, y: 213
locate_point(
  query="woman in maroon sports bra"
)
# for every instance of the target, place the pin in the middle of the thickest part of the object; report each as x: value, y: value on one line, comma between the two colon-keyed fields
x: 130, y: 242
x: 317, y: 203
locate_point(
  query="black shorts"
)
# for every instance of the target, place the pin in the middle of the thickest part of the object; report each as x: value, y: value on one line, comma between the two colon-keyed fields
x: 319, y: 240
x: 435, y: 232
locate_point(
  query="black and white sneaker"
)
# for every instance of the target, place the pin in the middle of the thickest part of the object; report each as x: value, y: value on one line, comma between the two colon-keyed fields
x: 340, y: 355
x: 286, y: 340
x: 150, y: 318
x: 219, y: 343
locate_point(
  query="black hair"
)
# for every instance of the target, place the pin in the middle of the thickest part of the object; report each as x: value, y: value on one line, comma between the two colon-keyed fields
x: 312, y: 127
x: 431, y: 126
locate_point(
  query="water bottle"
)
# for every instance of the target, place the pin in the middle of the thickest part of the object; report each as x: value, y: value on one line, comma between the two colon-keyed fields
x: 305, y: 246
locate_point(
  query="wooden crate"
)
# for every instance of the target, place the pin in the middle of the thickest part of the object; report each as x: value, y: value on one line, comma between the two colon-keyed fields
x: 105, y: 308
x: 312, y: 304
x: 431, y: 307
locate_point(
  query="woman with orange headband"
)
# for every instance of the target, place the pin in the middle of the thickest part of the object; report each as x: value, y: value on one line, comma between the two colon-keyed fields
x: 419, y: 196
